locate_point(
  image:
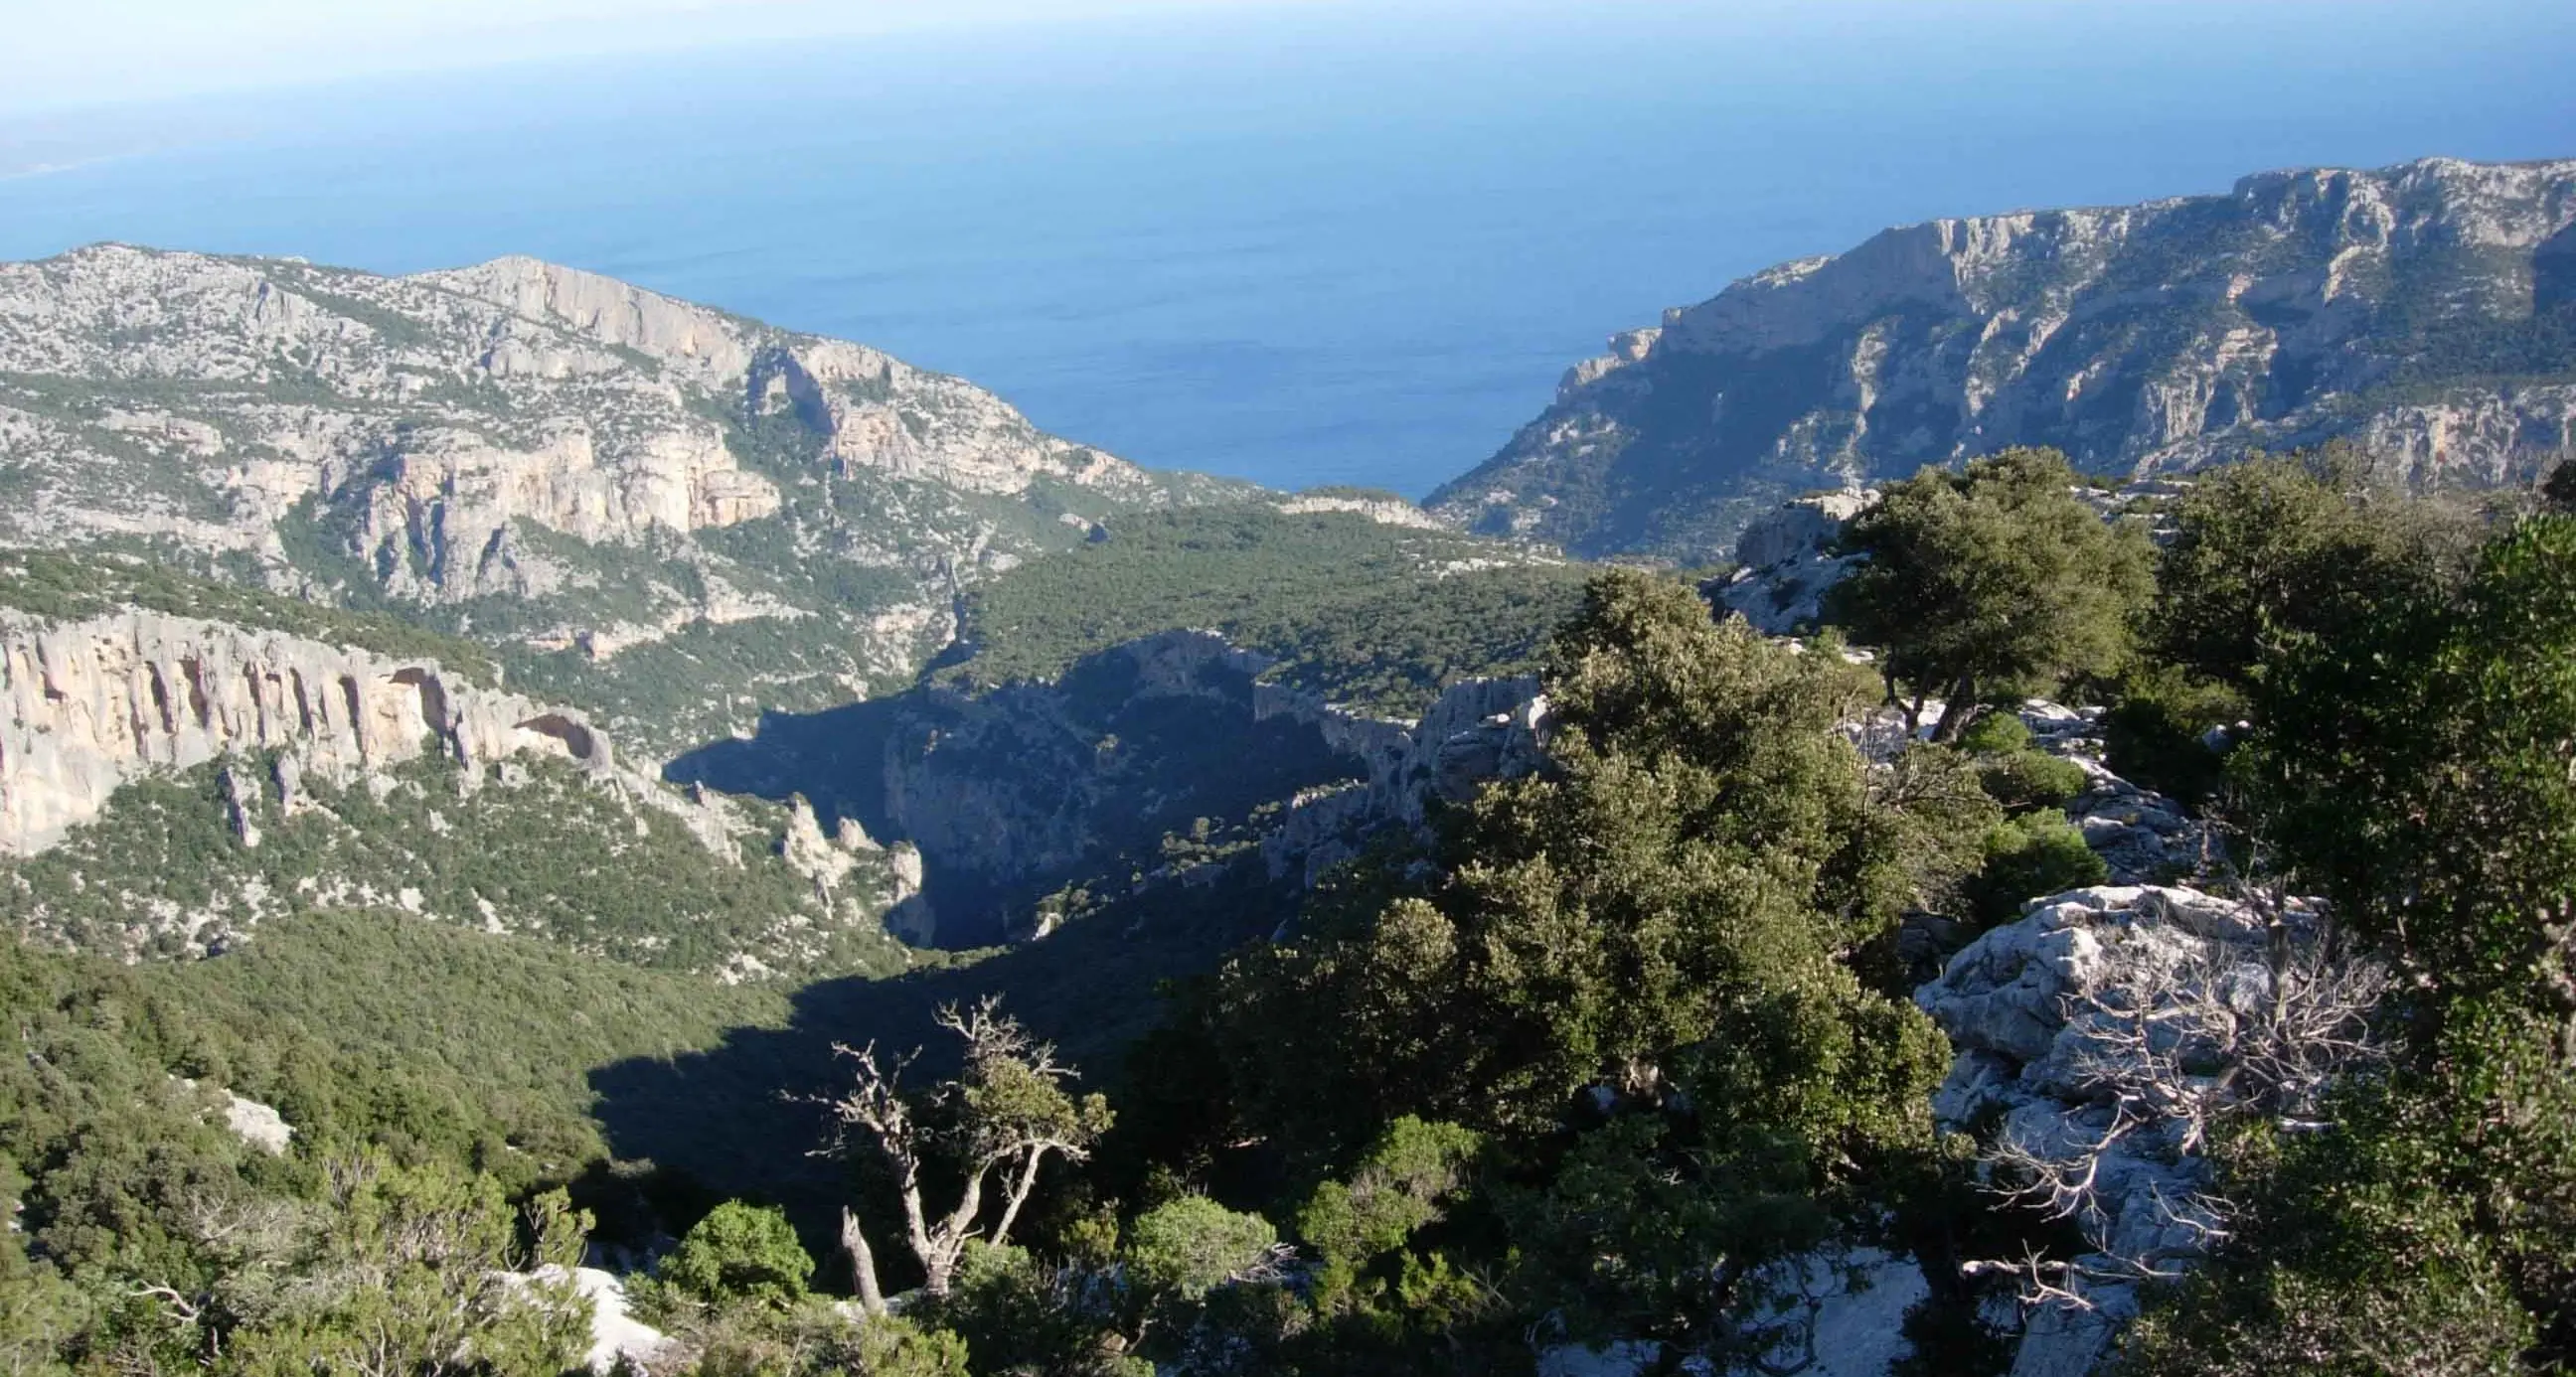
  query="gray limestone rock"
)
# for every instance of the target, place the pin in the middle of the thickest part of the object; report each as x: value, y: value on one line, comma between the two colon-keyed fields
x: 2140, y: 339
x: 240, y: 803
x: 2022, y: 1007
x: 630, y: 465
x: 257, y: 1124
x: 91, y: 704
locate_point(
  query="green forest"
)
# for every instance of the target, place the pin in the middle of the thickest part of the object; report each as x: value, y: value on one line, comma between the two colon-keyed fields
x: 1378, y: 617
x: 1624, y: 1050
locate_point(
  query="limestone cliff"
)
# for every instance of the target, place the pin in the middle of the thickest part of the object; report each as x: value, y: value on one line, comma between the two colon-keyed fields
x: 168, y: 782
x: 442, y: 408
x: 2426, y: 310
x: 998, y: 798
x: 546, y: 460
x: 92, y: 704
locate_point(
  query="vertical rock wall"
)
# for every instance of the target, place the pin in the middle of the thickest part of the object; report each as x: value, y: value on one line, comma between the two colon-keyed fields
x: 86, y: 706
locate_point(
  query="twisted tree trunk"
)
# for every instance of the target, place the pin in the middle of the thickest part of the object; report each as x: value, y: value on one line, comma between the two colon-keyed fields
x: 863, y: 1262
x: 1957, y: 711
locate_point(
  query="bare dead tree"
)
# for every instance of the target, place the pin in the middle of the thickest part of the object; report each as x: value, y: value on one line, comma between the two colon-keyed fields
x: 1004, y: 1115
x: 2178, y: 1038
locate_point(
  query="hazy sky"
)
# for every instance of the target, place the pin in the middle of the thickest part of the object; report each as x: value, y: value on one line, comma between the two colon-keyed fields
x: 62, y: 55
x: 70, y: 53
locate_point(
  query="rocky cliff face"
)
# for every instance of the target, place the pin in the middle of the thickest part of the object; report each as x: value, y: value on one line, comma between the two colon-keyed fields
x: 92, y: 704
x: 1194, y: 732
x: 440, y: 410
x: 548, y: 460
x: 1001, y: 797
x: 169, y: 781
x: 2426, y: 310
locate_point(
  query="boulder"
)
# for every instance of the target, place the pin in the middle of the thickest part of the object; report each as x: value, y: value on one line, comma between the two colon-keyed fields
x: 2026, y: 1006
x: 257, y: 1124
x: 617, y: 1338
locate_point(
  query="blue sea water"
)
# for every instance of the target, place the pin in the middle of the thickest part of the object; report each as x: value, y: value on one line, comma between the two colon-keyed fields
x: 1322, y: 244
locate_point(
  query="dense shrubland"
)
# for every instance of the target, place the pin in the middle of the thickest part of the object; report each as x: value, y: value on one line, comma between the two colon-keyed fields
x: 1382, y: 617
x: 549, y: 852
x: 1621, y: 1050
x: 435, y: 1082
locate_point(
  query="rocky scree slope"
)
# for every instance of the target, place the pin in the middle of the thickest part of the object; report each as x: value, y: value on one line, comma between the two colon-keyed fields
x: 2426, y: 311
x: 653, y: 508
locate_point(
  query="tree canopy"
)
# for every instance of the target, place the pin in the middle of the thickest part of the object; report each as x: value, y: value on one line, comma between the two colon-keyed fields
x: 1995, y: 578
x: 2277, y: 551
x: 1675, y: 915
x: 2415, y: 759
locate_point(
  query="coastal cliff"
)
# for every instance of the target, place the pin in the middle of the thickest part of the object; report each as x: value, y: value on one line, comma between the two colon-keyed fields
x: 2423, y: 311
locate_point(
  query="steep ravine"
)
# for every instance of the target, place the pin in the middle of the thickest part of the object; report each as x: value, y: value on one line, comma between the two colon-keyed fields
x: 1018, y: 792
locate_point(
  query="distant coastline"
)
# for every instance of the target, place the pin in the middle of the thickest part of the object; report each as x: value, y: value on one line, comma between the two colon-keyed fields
x: 1329, y: 265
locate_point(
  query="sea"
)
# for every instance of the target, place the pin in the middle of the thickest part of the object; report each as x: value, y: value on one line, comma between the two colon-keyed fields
x: 1318, y: 244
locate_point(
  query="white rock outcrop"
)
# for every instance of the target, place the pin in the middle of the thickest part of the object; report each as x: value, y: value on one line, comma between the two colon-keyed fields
x: 1385, y: 511
x: 1850, y: 1323
x: 258, y: 1124
x: 827, y: 861
x: 91, y: 704
x: 1785, y: 562
x: 2142, y: 835
x: 2047, y: 1014
x: 617, y: 1338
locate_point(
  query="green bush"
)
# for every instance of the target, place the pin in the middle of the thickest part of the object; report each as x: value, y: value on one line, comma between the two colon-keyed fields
x: 1193, y: 1245
x: 739, y: 1252
x: 2152, y: 735
x: 1396, y: 1189
x: 2432, y: 1223
x: 1996, y: 733
x: 2029, y: 856
x: 815, y: 1340
x: 2022, y: 780
x: 1018, y: 1313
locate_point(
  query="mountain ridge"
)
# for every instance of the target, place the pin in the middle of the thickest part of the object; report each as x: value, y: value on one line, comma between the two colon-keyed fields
x: 639, y: 503
x: 2422, y: 310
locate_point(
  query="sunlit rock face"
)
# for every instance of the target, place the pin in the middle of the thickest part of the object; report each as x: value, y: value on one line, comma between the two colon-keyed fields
x: 525, y: 452
x: 2411, y: 308
x: 92, y: 704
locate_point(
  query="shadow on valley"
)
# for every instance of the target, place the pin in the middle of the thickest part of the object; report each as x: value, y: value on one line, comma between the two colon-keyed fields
x: 732, y: 1120
x: 1016, y: 793
x: 835, y: 758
